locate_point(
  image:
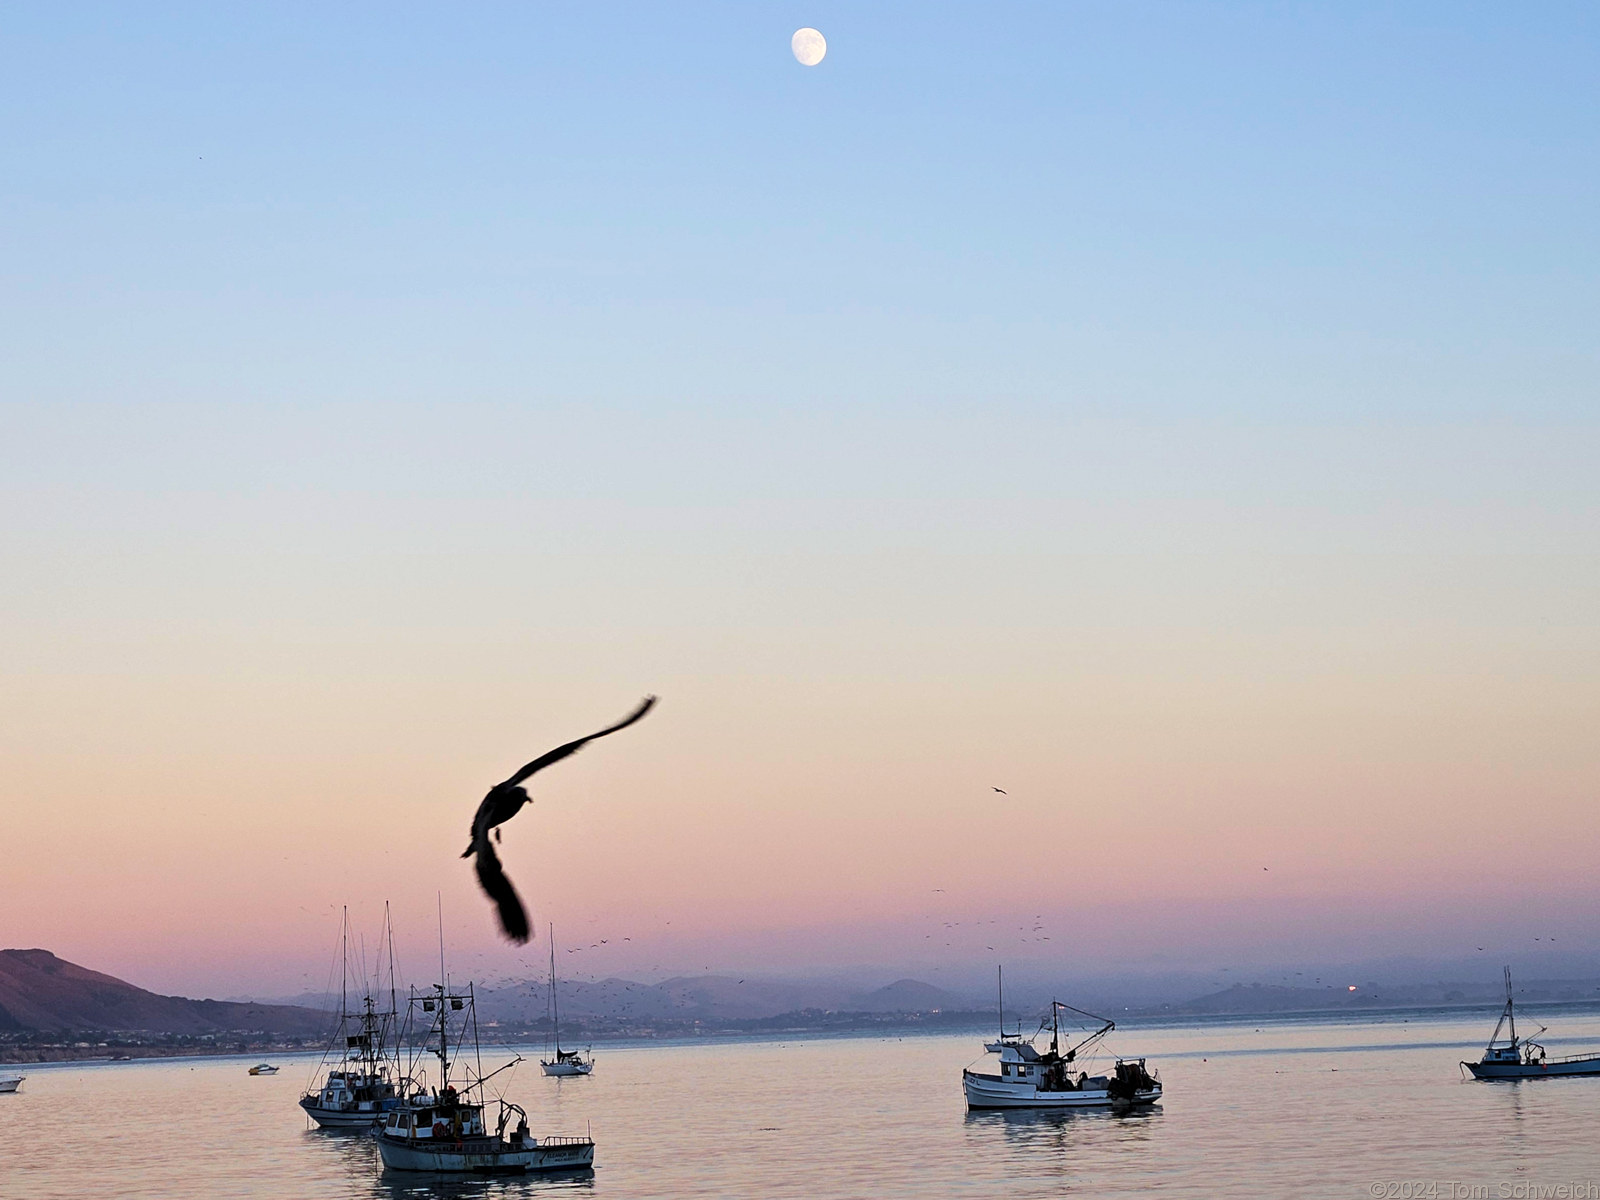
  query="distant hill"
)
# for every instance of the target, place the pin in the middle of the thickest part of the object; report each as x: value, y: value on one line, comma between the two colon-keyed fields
x: 707, y: 998
x: 39, y: 991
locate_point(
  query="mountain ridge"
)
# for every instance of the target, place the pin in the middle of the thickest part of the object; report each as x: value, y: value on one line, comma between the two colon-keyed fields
x: 40, y: 992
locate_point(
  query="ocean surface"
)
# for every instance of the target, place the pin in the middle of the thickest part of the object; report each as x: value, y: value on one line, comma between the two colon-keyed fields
x: 1322, y: 1109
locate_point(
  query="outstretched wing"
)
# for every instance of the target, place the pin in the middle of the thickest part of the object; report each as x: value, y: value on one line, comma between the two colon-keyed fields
x: 492, y: 878
x: 560, y: 752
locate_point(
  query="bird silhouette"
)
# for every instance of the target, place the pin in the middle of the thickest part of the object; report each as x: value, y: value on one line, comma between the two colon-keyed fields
x: 1002, y: 791
x: 503, y: 802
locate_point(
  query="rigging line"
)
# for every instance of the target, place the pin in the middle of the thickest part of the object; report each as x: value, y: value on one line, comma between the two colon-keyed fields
x: 327, y: 991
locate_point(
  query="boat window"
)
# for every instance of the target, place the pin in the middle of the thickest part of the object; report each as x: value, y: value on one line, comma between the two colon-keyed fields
x: 1005, y: 1068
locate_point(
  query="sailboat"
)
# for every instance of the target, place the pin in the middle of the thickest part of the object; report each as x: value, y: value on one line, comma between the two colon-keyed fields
x: 359, y: 1085
x: 1006, y: 1039
x: 565, y: 1062
x: 1523, y: 1058
x: 442, y: 1129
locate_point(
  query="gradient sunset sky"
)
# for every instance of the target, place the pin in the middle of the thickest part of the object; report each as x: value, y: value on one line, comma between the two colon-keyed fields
x: 1183, y: 416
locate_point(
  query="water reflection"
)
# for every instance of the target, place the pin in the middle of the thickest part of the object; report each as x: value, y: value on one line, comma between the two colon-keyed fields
x: 398, y: 1185
x: 1060, y: 1129
x: 354, y: 1152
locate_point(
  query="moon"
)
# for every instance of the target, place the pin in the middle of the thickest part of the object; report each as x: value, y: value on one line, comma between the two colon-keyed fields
x: 809, y: 46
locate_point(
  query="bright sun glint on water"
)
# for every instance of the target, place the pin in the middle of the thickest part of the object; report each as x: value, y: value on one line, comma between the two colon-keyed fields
x: 809, y: 46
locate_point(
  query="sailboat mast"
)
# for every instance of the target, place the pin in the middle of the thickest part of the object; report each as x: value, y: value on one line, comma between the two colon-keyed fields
x: 344, y: 963
x: 1000, y: 973
x: 388, y: 932
x: 555, y: 1003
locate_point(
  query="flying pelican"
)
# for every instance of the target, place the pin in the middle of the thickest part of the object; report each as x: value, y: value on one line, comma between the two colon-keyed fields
x: 501, y: 804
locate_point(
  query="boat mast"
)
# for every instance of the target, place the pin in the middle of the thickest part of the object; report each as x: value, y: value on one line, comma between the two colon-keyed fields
x: 555, y: 1004
x: 1000, y: 972
x: 444, y: 1000
x: 388, y: 928
x: 444, y: 1042
x: 1511, y: 1011
x: 344, y: 966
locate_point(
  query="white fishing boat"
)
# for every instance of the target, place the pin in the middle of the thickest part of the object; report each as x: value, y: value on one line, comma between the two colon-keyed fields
x: 357, y: 1083
x: 10, y: 1083
x: 442, y: 1129
x: 1523, y: 1058
x: 1017, y: 1074
x: 561, y: 1062
x: 263, y: 1069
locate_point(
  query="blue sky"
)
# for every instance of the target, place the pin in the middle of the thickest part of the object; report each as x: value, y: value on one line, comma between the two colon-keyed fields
x: 1283, y: 210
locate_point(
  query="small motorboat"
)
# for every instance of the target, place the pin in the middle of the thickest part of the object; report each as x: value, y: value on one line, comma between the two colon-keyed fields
x: 10, y: 1083
x: 1522, y: 1058
x: 263, y: 1069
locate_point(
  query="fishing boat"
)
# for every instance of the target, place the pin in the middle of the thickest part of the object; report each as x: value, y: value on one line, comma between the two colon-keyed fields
x: 562, y: 1062
x: 263, y: 1069
x: 10, y: 1083
x: 356, y: 1082
x: 442, y: 1129
x: 1026, y: 1077
x: 1523, y: 1058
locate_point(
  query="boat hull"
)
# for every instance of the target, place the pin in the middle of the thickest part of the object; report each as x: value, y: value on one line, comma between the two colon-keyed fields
x: 486, y: 1157
x: 1589, y: 1065
x: 346, y: 1118
x: 991, y: 1091
x: 7, y: 1086
x: 566, y: 1068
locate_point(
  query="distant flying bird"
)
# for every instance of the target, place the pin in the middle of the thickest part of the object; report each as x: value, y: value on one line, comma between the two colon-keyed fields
x: 502, y: 803
x: 1002, y: 791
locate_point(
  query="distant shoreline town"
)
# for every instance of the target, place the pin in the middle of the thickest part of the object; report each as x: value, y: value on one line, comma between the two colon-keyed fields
x: 52, y: 1010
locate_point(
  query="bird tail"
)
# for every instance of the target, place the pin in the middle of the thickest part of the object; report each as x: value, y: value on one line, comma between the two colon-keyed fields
x: 492, y: 878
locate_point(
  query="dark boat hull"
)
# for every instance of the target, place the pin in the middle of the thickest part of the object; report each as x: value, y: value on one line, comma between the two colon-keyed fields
x: 485, y: 1156
x: 1561, y: 1068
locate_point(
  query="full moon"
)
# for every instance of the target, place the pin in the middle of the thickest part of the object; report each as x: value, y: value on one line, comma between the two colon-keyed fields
x: 809, y: 46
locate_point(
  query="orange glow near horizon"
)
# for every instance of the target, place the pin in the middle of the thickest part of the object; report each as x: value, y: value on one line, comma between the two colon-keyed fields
x: 229, y: 714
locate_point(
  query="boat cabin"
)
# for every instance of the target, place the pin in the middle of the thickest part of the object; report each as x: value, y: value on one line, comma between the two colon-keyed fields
x: 1022, y: 1062
x: 354, y: 1090
x: 431, y: 1120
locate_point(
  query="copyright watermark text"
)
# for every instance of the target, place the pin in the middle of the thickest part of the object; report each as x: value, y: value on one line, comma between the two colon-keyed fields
x: 1461, y: 1189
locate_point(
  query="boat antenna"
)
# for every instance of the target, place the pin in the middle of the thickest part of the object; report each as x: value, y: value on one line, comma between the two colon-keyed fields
x: 439, y: 900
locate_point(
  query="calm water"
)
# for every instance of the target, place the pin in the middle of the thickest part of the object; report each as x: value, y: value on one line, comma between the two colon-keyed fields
x: 1317, y: 1110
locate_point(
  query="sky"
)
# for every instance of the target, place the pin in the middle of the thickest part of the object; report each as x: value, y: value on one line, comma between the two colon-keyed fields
x: 1182, y: 416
